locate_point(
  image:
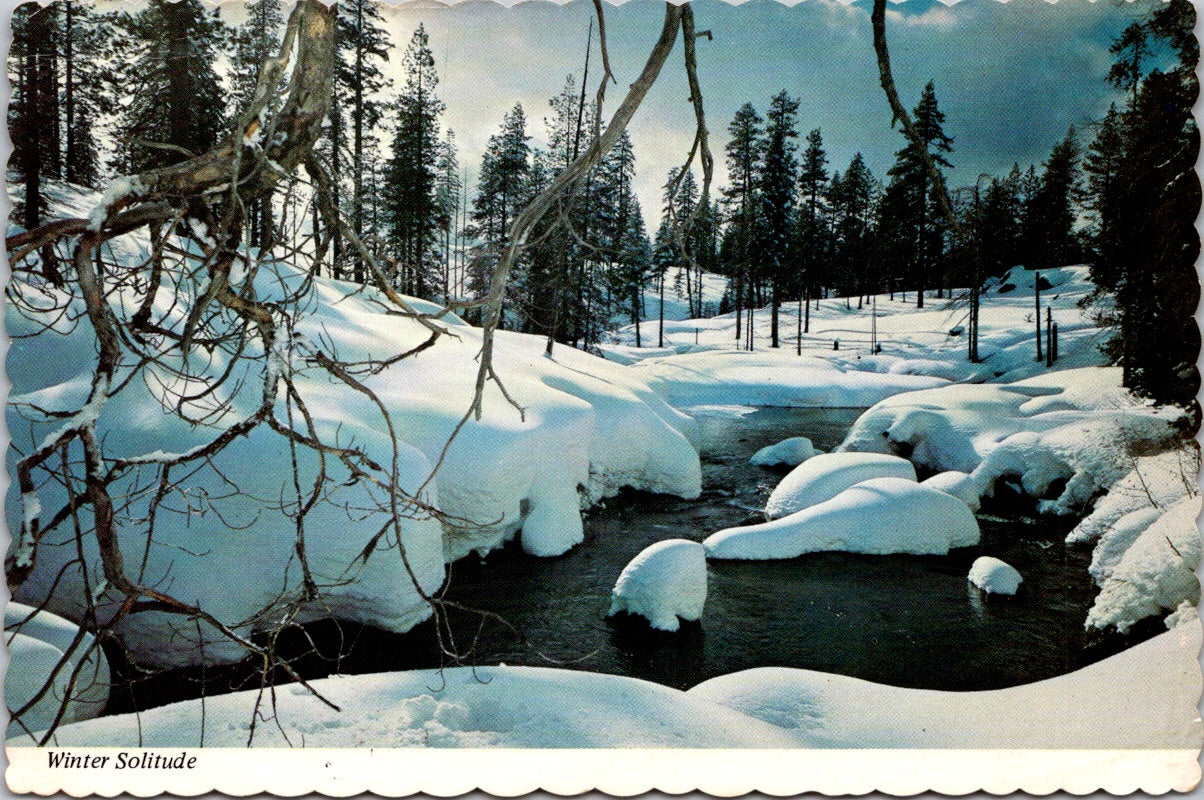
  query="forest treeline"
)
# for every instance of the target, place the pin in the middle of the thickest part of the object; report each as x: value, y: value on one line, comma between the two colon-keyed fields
x: 96, y: 95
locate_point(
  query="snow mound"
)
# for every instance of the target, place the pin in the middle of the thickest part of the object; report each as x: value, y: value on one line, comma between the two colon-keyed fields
x: 1060, y: 438
x: 958, y: 484
x: 771, y: 378
x: 455, y: 707
x: 878, y: 516
x: 825, y: 476
x: 37, y: 641
x: 665, y: 581
x: 1156, y: 574
x: 1143, y: 698
x: 994, y: 576
x: 789, y: 452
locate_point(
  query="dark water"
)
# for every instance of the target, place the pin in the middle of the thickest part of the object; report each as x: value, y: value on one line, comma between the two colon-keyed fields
x: 902, y: 620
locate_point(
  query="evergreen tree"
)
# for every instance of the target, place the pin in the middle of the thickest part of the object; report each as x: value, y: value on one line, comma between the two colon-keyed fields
x: 363, y: 45
x: 448, y: 191
x: 178, y: 105
x: 1051, y: 210
x: 1103, y: 164
x: 745, y: 149
x: 811, y: 236
x: 34, y: 106
x: 852, y: 198
x: 411, y: 207
x: 779, y: 174
x: 917, y: 225
x: 86, y: 91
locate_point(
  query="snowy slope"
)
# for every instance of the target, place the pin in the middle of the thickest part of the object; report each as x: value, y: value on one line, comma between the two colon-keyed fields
x: 918, y: 346
x: 588, y: 428
x: 1142, y: 698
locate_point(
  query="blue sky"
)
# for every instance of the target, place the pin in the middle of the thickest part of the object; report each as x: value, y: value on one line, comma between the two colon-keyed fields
x: 1010, y: 77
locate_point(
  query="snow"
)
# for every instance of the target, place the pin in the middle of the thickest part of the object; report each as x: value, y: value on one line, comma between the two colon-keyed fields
x: 455, y: 707
x: 994, y: 576
x: 958, y: 484
x: 1155, y: 574
x: 825, y: 476
x: 36, y: 642
x: 1061, y: 438
x: 1143, y: 698
x: 788, y: 452
x: 665, y: 581
x: 877, y: 516
x: 588, y: 428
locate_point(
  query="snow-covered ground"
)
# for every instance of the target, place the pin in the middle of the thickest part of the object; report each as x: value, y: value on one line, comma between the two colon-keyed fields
x: 588, y: 427
x: 1143, y: 698
x: 918, y: 346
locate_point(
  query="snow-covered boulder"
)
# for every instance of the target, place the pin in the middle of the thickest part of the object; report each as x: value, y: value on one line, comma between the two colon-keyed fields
x: 878, y: 516
x: 994, y: 576
x: 37, y: 641
x: 665, y: 581
x: 1156, y: 574
x: 789, y: 453
x: 1060, y: 437
x: 958, y: 484
x: 825, y: 476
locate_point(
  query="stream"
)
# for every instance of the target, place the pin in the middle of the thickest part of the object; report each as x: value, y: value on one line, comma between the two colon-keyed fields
x: 903, y: 620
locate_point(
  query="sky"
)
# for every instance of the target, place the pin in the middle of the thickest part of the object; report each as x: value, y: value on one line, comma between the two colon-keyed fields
x: 1010, y: 77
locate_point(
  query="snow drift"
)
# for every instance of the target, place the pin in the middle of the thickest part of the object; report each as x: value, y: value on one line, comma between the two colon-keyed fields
x: 587, y: 428
x: 37, y: 641
x: 878, y: 516
x: 665, y: 581
x: 788, y: 452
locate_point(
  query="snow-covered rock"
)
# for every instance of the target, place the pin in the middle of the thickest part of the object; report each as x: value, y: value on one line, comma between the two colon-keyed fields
x: 665, y: 581
x: 1142, y: 699
x: 994, y: 576
x: 1061, y: 437
x: 788, y: 452
x: 958, y: 484
x: 454, y: 707
x: 878, y: 516
x: 37, y: 642
x: 1156, y: 574
x: 825, y: 476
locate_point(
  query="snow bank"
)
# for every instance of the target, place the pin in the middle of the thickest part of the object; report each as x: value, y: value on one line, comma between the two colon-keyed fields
x: 1156, y: 574
x: 1143, y: 698
x: 994, y: 576
x: 878, y: 516
x: 825, y: 476
x: 958, y: 484
x: 1061, y: 437
x: 37, y: 641
x: 665, y: 581
x: 789, y: 452
x: 770, y: 378
x: 587, y: 428
x: 456, y: 707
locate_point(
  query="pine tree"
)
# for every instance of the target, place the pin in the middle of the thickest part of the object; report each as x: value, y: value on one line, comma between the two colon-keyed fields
x: 86, y: 95
x: 1051, y: 212
x: 778, y: 176
x: 34, y: 108
x: 178, y: 107
x: 745, y: 149
x: 448, y: 190
x: 853, y: 209
x: 412, y: 209
x: 811, y: 236
x: 919, y: 234
x: 363, y: 45
x: 1103, y: 164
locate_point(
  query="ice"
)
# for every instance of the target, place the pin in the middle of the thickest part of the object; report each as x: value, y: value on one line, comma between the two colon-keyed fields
x: 665, y: 581
x: 994, y: 576
x: 958, y: 484
x: 789, y: 452
x: 878, y: 516
x: 37, y: 641
x: 825, y: 476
